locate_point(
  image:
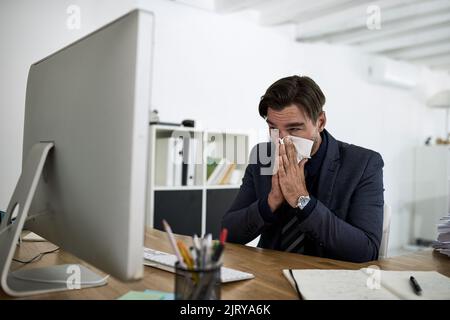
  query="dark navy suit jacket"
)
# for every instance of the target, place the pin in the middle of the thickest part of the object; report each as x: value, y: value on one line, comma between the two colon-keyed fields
x: 347, y: 220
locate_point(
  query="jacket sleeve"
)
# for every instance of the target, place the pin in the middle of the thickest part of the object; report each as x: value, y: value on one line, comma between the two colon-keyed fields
x: 358, y: 238
x: 243, y: 220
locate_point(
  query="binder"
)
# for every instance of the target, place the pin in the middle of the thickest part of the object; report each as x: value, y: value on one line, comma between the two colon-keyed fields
x: 189, y: 161
x: 164, y: 156
x: 178, y: 161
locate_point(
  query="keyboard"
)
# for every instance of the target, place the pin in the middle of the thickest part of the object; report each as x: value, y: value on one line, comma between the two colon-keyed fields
x: 166, y: 261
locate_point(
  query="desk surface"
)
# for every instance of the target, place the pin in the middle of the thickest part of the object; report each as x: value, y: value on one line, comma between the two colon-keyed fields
x: 266, y: 265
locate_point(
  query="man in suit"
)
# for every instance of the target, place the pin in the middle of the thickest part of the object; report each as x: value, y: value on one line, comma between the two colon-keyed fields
x: 330, y: 205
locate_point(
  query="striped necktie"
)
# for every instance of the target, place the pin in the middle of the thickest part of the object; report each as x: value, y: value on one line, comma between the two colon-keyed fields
x: 292, y: 239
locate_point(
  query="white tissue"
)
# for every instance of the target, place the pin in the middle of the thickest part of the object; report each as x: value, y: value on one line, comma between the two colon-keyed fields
x: 303, y: 146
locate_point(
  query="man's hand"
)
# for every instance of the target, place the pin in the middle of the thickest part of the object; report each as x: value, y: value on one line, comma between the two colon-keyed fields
x: 276, y: 198
x: 291, y: 174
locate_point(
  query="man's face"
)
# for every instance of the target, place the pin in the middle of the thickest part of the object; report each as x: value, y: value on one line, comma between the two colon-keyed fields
x: 292, y: 121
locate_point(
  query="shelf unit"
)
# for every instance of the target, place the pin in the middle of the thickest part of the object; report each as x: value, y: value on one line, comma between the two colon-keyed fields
x: 196, y: 208
x: 432, y: 191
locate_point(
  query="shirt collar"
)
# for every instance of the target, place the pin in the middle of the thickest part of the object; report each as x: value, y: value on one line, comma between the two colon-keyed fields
x: 313, y: 165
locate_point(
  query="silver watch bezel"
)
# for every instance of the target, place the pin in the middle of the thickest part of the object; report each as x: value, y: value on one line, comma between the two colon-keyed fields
x: 303, y: 201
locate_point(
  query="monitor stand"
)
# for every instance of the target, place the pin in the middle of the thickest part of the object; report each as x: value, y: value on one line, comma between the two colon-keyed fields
x: 37, y: 280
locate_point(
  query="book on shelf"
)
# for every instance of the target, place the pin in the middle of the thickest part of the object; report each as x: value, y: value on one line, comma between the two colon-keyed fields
x: 220, y: 171
x: 211, y: 164
x: 227, y: 174
x: 214, y: 176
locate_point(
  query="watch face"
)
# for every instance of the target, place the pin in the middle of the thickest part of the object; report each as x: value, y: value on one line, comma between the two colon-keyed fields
x: 303, y: 201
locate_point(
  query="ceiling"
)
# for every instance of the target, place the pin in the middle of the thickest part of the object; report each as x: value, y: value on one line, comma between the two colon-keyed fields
x: 417, y: 31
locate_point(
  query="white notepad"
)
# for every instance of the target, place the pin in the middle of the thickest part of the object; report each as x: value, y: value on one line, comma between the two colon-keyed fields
x: 361, y: 284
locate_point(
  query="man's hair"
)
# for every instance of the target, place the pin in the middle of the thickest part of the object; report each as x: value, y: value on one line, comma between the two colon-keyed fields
x: 298, y: 90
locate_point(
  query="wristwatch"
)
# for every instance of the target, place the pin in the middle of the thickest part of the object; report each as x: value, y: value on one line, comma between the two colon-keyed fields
x: 302, y: 202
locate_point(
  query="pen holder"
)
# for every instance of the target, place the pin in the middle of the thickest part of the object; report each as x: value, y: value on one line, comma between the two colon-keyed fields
x: 197, y: 284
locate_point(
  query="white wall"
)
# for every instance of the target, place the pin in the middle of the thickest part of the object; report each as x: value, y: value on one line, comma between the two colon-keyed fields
x: 214, y: 68
x: 29, y: 31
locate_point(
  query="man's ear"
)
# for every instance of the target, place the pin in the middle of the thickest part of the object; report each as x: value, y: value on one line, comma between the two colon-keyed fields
x: 321, y: 121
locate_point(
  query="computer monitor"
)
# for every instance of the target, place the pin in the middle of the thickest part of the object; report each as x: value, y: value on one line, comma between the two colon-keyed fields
x: 83, y: 181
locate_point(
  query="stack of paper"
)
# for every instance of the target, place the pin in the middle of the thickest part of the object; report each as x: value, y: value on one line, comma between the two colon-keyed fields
x: 443, y: 241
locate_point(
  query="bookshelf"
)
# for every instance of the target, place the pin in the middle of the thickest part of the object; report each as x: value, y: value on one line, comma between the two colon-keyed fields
x: 179, y: 187
x: 431, y: 191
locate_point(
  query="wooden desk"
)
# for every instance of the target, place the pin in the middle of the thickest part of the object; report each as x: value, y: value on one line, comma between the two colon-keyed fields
x: 266, y: 265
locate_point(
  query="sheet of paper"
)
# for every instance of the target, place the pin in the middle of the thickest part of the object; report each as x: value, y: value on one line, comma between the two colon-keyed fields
x: 434, y: 285
x: 336, y: 285
x: 355, y: 284
x: 31, y: 236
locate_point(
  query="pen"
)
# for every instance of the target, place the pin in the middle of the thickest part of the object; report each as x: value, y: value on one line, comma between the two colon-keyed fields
x: 173, y: 243
x: 223, y: 235
x: 196, y: 242
x: 203, y: 253
x: 217, y: 253
x: 207, y: 243
x: 215, y: 245
x: 208, y: 240
x: 415, y: 285
x: 193, y: 254
x: 187, y: 258
x: 186, y: 254
x: 197, y: 248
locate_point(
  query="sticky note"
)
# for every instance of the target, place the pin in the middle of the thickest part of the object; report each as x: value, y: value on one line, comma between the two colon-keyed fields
x: 139, y: 295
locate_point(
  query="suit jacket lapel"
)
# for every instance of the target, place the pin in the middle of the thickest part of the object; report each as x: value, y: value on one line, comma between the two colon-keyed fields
x: 329, y: 170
